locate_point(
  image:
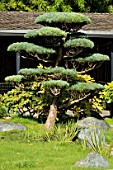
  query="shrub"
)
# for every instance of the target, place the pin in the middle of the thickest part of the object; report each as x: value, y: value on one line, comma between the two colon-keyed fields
x: 106, y: 95
x: 3, y: 108
x: 3, y: 111
x: 25, y: 98
x: 30, y: 98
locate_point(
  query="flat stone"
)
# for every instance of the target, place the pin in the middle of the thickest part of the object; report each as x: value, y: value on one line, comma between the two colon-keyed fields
x: 70, y: 113
x: 7, y: 126
x: 93, y: 160
x: 105, y: 113
x: 111, y: 153
x: 7, y: 117
x: 111, y: 125
x: 92, y: 122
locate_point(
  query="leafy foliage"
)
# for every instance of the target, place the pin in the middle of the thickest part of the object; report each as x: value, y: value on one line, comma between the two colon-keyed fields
x: 85, y: 78
x: 80, y: 42
x: 3, y: 109
x: 41, y: 71
x: 96, y: 104
x: 65, y: 17
x: 107, y: 93
x: 25, y: 96
x: 29, y: 47
x: 57, y: 5
x: 46, y: 31
x: 84, y: 107
x: 9, y: 5
x: 14, y: 78
x: 81, y: 86
x: 37, y: 96
x: 93, y: 58
x: 55, y: 83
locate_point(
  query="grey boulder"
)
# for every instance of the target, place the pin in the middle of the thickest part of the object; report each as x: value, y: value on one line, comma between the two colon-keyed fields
x: 93, y: 160
x: 91, y: 122
x: 7, y: 126
x: 92, y: 137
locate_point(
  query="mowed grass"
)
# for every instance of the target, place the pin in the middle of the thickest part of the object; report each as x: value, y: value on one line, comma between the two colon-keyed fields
x: 26, y: 151
x: 40, y: 155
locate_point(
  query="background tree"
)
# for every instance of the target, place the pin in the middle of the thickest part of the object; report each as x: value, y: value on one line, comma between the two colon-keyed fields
x: 57, y: 5
x: 23, y: 5
x: 59, y: 45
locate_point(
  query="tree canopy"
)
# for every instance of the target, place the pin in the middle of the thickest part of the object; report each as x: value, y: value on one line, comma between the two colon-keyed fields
x: 57, y: 5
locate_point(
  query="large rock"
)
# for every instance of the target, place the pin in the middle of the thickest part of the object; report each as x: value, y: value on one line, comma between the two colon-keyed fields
x: 92, y: 137
x: 91, y: 122
x: 7, y: 126
x: 93, y: 160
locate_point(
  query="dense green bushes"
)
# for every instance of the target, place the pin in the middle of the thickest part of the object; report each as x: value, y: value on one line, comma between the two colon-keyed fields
x: 107, y: 94
x: 3, y: 108
x: 56, y: 5
x: 30, y: 99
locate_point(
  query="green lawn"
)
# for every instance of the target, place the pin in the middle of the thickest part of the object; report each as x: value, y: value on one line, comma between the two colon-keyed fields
x: 40, y: 155
x: 25, y: 151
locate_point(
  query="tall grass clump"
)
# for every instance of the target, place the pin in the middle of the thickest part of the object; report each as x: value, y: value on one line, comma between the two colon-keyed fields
x: 97, y: 143
x: 62, y: 132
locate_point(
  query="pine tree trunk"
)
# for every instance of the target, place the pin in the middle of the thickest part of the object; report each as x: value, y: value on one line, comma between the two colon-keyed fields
x: 60, y: 53
x: 59, y: 56
x: 50, y: 122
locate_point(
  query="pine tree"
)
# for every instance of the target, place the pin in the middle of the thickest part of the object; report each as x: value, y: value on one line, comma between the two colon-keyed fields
x: 65, y: 55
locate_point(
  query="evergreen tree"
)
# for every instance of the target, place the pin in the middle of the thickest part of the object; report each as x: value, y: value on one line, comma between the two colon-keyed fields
x: 59, y: 45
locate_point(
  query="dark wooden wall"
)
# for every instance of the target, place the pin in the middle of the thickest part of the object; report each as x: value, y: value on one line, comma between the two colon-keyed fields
x: 8, y: 59
x: 103, y: 46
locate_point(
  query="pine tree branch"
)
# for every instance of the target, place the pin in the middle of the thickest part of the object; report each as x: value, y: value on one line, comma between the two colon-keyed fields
x: 64, y: 106
x: 88, y: 69
x: 72, y: 102
x: 95, y: 66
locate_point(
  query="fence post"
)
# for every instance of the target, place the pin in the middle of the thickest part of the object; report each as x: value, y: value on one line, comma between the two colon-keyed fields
x: 17, y: 62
